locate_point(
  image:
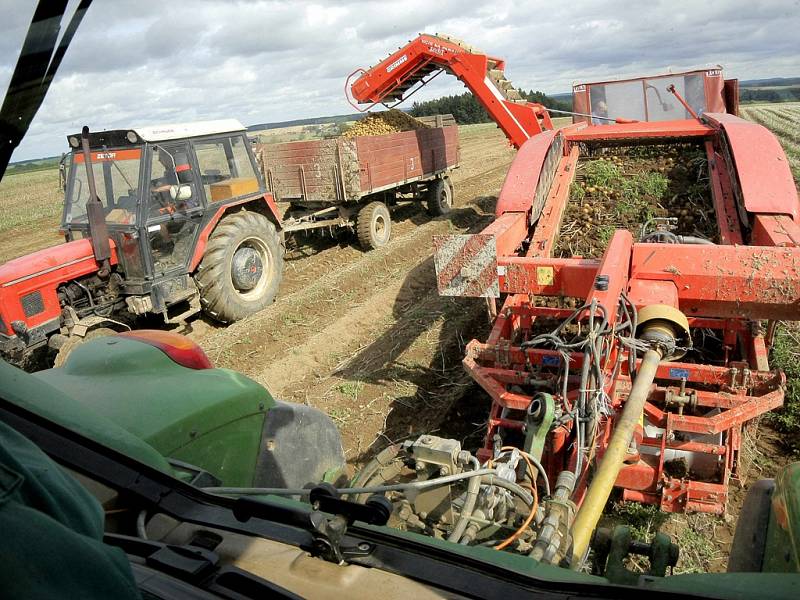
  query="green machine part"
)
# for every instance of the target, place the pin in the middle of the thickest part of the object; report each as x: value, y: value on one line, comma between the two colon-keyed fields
x: 767, y: 535
x: 215, y: 420
x: 611, y: 548
x: 538, y: 419
x: 782, y: 546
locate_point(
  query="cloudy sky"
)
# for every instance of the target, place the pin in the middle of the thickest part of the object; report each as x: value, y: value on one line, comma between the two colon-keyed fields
x: 156, y: 61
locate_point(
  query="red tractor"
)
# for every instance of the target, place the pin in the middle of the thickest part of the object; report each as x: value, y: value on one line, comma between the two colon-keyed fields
x: 167, y: 220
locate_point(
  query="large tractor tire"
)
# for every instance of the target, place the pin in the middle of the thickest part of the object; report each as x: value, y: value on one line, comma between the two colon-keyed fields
x: 440, y: 197
x: 374, y: 225
x: 241, y: 268
x: 75, y: 340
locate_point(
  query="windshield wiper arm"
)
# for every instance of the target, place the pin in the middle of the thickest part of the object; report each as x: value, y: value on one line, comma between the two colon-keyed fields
x: 38, y: 63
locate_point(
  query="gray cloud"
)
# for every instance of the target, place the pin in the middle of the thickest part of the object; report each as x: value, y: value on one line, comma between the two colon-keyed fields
x: 135, y: 62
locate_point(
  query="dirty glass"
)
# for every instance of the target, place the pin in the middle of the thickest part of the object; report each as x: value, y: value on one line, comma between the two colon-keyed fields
x: 664, y: 106
x: 116, y: 175
x: 171, y: 242
x: 164, y: 182
x: 225, y: 168
x: 614, y: 100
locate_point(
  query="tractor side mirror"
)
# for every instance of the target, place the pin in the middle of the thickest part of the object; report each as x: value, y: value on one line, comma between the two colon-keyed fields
x: 180, y: 193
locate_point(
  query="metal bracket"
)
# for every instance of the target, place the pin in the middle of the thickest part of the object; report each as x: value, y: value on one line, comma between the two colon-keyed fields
x: 538, y: 419
x: 329, y: 532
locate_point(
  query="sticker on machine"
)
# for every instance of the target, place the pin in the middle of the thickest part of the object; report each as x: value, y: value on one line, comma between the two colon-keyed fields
x: 675, y: 373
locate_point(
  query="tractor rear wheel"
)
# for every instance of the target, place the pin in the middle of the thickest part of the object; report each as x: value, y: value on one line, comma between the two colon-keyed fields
x: 440, y: 197
x: 74, y: 341
x: 374, y: 225
x: 241, y: 268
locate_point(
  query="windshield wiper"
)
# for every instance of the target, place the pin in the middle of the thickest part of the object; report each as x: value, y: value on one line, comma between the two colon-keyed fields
x: 38, y: 62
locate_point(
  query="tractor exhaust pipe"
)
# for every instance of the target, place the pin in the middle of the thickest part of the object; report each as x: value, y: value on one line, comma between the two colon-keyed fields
x: 95, y: 217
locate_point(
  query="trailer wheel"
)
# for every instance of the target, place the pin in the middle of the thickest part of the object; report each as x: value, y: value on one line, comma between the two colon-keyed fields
x: 374, y: 225
x: 440, y: 197
x: 241, y: 268
x: 74, y: 341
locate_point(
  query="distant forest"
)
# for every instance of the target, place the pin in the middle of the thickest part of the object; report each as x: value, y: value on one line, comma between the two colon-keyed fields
x: 466, y: 109
x: 770, y: 94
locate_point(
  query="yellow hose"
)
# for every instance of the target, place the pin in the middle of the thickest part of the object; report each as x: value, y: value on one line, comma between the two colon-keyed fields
x: 603, y: 481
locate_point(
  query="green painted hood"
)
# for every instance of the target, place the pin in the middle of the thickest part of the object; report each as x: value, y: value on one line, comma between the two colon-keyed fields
x: 39, y: 397
x: 142, y: 390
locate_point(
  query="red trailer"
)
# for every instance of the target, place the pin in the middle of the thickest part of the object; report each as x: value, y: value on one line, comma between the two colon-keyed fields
x: 339, y: 182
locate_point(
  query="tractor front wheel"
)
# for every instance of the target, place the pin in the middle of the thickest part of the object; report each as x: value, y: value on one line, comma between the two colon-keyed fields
x: 374, y: 225
x: 74, y: 341
x: 241, y: 268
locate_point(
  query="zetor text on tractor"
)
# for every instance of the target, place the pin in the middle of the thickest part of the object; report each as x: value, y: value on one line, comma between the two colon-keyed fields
x: 165, y: 220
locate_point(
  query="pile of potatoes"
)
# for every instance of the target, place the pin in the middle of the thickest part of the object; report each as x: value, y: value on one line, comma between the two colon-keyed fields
x: 380, y: 123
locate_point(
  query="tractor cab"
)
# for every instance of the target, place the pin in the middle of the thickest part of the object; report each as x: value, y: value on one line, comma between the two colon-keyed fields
x: 171, y: 220
x: 155, y: 185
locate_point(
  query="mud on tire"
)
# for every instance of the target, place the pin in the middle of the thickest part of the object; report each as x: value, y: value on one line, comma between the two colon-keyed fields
x: 241, y: 268
x: 374, y: 226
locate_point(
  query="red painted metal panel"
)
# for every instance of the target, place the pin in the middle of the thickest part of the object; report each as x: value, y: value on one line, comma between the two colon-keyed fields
x: 519, y: 187
x: 308, y: 170
x: 765, y: 179
x: 775, y: 230
x: 730, y: 231
x: 391, y: 159
x: 44, y: 271
x: 620, y: 131
x: 751, y: 282
x: 547, y: 276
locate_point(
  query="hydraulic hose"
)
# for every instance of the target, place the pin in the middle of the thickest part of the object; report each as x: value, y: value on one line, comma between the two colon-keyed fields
x: 488, y: 476
x: 603, y: 481
x: 473, y: 489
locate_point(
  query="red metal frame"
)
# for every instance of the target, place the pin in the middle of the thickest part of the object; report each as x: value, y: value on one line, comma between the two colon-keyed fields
x: 269, y: 206
x: 725, y: 288
x: 427, y: 55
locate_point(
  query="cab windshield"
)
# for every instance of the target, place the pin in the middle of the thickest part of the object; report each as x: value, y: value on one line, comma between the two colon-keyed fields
x: 116, y: 175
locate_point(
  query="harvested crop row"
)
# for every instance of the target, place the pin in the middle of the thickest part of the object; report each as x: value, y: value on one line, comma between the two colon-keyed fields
x: 632, y: 188
x: 380, y: 123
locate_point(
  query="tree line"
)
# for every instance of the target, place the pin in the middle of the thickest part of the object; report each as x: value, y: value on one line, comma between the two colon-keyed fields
x: 774, y: 94
x: 466, y: 109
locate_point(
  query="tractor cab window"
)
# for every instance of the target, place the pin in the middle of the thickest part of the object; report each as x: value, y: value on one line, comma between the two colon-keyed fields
x: 116, y: 176
x: 173, y: 209
x: 226, y: 170
x: 172, y: 187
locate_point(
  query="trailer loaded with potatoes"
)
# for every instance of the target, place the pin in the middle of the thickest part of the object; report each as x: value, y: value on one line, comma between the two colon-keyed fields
x: 354, y: 181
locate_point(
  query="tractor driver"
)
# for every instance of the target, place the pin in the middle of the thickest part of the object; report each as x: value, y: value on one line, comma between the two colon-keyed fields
x: 161, y: 202
x: 171, y: 194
